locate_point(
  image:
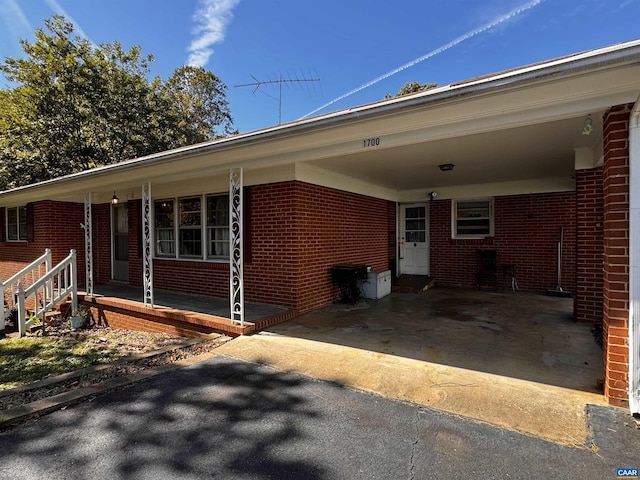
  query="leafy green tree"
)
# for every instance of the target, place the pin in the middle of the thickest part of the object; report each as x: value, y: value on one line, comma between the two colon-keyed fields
x: 412, y: 87
x: 78, y: 106
x: 201, y: 103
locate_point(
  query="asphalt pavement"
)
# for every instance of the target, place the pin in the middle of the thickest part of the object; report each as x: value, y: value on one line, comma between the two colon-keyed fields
x: 226, y: 418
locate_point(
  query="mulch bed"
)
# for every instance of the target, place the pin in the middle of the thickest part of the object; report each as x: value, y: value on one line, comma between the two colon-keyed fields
x: 138, y: 348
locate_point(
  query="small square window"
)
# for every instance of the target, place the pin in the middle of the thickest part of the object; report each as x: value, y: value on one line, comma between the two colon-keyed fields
x: 17, y: 224
x: 472, y: 218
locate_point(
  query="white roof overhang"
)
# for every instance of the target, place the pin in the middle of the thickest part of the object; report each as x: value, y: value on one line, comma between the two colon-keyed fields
x: 514, y: 132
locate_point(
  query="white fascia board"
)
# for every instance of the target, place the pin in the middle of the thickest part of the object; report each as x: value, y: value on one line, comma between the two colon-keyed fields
x: 568, y: 65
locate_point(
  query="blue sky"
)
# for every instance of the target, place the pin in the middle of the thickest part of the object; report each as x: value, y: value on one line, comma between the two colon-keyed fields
x: 347, y: 44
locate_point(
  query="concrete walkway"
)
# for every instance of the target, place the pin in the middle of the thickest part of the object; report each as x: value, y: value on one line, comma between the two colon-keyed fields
x: 548, y: 412
x: 503, y: 343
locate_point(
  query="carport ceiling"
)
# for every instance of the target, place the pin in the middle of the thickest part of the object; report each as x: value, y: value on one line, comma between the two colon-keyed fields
x: 522, y: 153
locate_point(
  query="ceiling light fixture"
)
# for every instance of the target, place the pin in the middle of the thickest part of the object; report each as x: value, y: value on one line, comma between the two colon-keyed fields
x: 587, y: 126
x: 114, y: 199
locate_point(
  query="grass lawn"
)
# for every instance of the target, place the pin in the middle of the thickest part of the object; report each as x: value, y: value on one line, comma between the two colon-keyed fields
x: 25, y: 360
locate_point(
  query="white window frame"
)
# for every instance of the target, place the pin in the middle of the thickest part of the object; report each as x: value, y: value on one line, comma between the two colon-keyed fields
x: 155, y: 230
x: 203, y: 228
x: 18, y: 222
x: 454, y: 218
x: 197, y: 228
x: 209, y: 229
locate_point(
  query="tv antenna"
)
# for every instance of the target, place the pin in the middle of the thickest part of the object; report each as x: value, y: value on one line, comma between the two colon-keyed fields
x: 278, y: 81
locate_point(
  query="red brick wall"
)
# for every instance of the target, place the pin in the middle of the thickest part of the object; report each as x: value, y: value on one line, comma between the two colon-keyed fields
x: 101, y: 242
x: 130, y: 316
x: 589, y: 257
x: 298, y: 231
x: 56, y: 226
x: 392, y: 234
x: 527, y: 230
x: 616, y: 254
x: 272, y: 273
x: 203, y: 278
x: 336, y: 227
x: 269, y: 277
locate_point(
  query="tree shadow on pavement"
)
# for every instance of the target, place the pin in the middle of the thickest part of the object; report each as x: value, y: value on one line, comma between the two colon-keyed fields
x: 219, y: 418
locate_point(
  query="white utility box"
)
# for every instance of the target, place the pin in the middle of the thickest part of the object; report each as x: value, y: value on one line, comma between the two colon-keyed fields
x: 377, y: 284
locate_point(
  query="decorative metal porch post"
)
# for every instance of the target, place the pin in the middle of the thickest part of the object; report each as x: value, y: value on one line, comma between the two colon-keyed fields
x: 147, y: 244
x: 88, y: 244
x: 236, y: 284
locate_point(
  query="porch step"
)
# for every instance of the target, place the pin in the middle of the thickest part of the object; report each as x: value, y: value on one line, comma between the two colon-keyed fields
x: 129, y: 314
x: 265, y: 322
x: 52, y: 316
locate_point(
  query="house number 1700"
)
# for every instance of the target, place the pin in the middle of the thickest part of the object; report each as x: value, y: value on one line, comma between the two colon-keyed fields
x: 371, y: 142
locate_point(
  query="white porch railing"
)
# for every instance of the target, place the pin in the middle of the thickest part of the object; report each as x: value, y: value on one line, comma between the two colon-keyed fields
x: 29, y: 275
x: 47, y: 291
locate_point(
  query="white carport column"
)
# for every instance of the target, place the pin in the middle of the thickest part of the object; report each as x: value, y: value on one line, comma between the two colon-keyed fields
x: 634, y: 259
x: 236, y: 285
x: 147, y: 245
x: 88, y: 244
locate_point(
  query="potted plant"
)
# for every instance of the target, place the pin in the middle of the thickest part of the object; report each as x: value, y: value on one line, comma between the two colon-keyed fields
x: 12, y: 317
x: 78, y: 318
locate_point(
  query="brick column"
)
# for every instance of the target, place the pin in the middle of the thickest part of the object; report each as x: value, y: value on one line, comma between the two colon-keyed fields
x: 616, y: 254
x: 589, y: 254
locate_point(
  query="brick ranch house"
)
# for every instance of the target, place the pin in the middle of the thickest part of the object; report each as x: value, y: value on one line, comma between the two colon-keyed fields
x: 536, y: 153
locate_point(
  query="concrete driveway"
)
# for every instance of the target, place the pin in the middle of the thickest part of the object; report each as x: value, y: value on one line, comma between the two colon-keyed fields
x: 517, y: 361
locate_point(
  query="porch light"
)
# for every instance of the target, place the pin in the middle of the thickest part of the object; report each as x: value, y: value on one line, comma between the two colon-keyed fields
x: 446, y: 167
x: 587, y: 126
x: 114, y: 199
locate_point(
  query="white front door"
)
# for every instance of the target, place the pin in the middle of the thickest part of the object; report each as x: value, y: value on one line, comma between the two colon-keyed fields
x: 414, y: 241
x: 120, y: 242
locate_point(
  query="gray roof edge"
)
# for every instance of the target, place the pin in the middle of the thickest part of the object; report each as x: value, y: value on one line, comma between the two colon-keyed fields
x: 612, y: 55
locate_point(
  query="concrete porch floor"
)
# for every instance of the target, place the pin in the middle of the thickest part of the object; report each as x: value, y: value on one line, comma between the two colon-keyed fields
x: 179, y: 313
x: 192, y: 303
x: 513, y: 360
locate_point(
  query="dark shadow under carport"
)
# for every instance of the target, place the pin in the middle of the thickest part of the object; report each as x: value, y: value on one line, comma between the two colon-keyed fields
x: 525, y: 336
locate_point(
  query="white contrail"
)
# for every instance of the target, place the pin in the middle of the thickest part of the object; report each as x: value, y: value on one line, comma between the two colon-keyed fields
x: 57, y: 9
x: 487, y: 26
x: 15, y: 19
x: 212, y: 18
